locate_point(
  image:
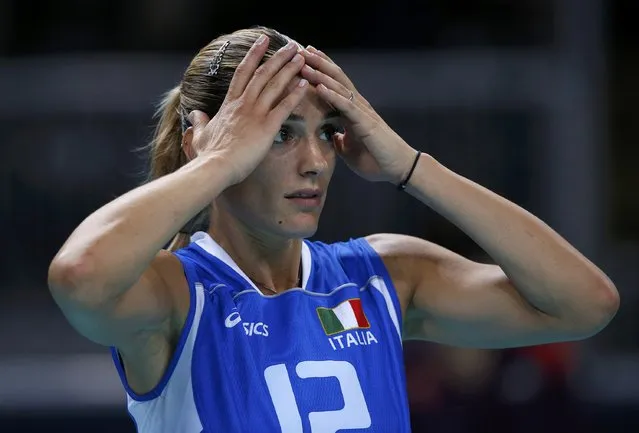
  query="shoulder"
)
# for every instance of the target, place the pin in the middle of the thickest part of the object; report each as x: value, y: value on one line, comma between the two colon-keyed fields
x: 338, y: 251
x: 352, y: 260
x: 394, y: 247
x: 399, y: 253
x: 351, y: 253
x: 168, y: 268
x: 409, y: 260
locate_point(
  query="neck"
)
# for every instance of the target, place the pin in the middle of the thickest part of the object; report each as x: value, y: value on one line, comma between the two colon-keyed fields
x: 272, y: 263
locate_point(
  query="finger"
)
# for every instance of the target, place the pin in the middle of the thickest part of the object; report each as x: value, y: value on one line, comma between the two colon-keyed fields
x: 322, y: 54
x: 268, y: 69
x: 316, y: 77
x: 328, y: 67
x: 346, y: 81
x: 286, y: 106
x: 244, y: 71
x: 342, y: 103
x: 339, y: 144
x: 198, y: 119
x: 274, y: 89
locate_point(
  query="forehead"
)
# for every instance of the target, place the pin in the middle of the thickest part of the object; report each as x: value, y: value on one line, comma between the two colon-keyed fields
x: 312, y: 107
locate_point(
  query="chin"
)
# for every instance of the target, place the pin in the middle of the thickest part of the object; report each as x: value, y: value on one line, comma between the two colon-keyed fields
x: 304, y: 227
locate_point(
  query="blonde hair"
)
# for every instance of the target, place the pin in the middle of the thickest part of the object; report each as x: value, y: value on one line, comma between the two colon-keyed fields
x: 199, y: 91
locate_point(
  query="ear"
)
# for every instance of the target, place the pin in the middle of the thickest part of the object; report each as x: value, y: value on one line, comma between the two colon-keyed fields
x: 187, y: 144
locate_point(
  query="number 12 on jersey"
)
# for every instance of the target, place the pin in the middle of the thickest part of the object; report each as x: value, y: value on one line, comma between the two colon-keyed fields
x: 354, y: 414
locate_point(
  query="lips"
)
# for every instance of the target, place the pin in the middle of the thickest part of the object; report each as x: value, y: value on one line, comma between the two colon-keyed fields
x: 305, y: 194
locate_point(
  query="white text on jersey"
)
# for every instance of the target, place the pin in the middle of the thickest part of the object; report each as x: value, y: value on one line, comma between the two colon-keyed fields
x: 353, y: 338
x: 250, y: 328
x: 259, y: 328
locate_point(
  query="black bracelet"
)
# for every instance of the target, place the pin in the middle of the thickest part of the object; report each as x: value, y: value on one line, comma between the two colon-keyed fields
x: 402, y: 185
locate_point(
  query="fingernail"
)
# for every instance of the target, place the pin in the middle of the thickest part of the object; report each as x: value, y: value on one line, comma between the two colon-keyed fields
x: 297, y: 58
x: 310, y: 47
x: 307, y: 68
x: 261, y: 39
x: 289, y: 46
x: 302, y: 82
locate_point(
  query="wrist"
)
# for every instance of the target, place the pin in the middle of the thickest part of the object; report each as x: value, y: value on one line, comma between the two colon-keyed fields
x: 408, y: 174
x: 431, y: 181
x: 212, y: 170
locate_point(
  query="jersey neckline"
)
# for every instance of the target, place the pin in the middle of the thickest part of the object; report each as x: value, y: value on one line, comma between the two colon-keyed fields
x: 208, y: 244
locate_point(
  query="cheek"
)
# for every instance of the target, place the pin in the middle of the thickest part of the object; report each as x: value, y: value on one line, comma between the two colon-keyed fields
x: 331, y: 159
x: 261, y: 187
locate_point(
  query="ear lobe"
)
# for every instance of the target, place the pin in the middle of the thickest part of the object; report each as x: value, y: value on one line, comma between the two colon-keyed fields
x: 187, y: 144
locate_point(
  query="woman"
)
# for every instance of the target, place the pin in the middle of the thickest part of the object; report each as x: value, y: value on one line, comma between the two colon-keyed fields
x: 247, y: 326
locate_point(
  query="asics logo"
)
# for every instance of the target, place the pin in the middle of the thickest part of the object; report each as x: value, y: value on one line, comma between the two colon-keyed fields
x: 232, y: 319
x: 250, y: 328
x: 258, y: 328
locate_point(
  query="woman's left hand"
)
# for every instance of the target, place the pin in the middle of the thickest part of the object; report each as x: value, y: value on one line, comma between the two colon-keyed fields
x: 368, y: 145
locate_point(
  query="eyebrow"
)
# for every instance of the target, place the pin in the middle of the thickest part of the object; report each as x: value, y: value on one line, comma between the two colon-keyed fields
x: 329, y: 116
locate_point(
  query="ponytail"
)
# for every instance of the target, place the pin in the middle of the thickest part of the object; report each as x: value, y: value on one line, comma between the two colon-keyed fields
x: 180, y: 240
x: 167, y: 156
x: 166, y: 147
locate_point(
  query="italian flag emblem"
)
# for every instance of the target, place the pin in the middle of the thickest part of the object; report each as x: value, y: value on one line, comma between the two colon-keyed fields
x: 347, y: 315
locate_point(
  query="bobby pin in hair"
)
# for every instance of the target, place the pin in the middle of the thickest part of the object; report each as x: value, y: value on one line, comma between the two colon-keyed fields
x: 214, y: 64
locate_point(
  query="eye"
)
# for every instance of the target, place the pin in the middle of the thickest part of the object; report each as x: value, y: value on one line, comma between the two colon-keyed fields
x: 329, y: 130
x: 283, y: 135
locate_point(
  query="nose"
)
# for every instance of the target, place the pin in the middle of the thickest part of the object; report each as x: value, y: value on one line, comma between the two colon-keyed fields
x: 315, y: 157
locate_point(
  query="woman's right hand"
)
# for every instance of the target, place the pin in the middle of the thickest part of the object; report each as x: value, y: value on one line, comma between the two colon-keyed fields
x: 258, y: 102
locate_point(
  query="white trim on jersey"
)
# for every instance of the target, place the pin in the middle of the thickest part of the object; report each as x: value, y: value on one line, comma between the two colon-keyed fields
x: 174, y: 409
x: 379, y: 284
x: 209, y: 245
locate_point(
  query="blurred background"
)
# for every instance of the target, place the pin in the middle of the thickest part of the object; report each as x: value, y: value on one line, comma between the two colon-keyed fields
x: 535, y: 99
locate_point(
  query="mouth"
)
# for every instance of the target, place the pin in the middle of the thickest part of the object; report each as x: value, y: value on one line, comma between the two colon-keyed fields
x: 306, y: 197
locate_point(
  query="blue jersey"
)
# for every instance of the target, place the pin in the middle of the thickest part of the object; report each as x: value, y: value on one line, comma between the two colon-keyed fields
x: 323, y: 358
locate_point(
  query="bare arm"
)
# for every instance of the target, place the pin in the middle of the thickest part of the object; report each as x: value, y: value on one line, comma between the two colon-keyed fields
x: 110, y: 277
x: 111, y: 265
x: 540, y: 290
